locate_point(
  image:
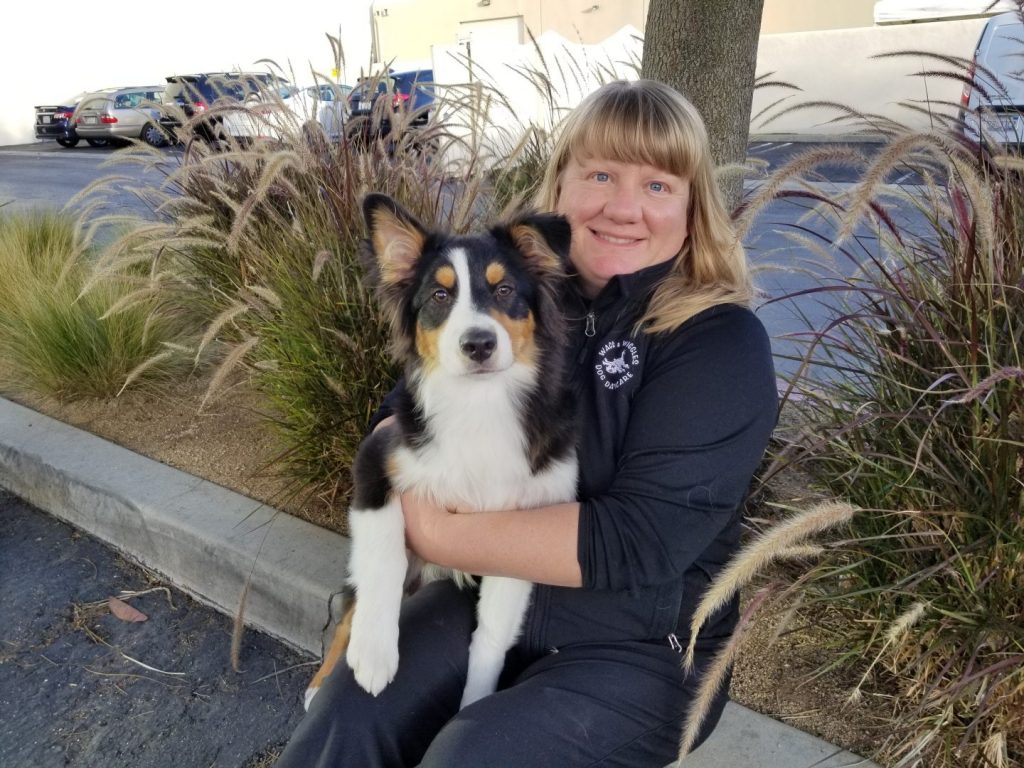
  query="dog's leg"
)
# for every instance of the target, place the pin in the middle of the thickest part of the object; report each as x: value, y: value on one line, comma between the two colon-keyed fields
x: 500, y: 612
x: 339, y: 644
x: 377, y: 569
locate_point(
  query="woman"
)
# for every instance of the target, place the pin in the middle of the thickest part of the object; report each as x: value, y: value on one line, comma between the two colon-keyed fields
x: 677, y: 400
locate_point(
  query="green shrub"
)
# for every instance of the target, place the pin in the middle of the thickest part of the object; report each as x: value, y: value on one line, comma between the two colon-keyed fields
x: 56, y: 342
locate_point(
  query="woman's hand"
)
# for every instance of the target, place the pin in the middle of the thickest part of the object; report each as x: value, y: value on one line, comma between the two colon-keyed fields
x: 425, y: 526
x: 533, y: 545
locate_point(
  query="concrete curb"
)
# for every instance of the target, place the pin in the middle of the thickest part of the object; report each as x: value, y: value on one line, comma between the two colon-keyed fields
x: 205, y: 539
x: 748, y: 739
x: 202, y: 537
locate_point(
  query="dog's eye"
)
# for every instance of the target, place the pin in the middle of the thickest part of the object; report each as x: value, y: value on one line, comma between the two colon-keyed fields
x: 441, y: 296
x: 504, y: 290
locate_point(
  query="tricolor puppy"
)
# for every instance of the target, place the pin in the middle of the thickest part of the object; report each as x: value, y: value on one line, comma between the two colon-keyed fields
x: 484, y: 421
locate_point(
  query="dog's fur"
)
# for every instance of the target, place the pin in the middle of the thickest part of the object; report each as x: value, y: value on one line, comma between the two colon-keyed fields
x: 484, y: 421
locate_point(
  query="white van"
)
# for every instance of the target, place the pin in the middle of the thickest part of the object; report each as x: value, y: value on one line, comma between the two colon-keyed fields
x: 996, y: 100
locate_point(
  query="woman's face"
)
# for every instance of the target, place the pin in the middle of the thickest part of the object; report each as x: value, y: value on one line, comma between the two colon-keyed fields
x: 624, y: 217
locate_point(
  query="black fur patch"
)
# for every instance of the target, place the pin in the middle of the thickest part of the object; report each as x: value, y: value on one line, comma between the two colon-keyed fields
x: 370, y: 470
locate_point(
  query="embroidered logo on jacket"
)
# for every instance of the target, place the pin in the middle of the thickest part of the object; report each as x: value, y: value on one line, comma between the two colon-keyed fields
x: 616, y: 361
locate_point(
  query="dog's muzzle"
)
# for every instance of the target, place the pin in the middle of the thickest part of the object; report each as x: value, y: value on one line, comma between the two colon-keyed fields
x: 478, y: 344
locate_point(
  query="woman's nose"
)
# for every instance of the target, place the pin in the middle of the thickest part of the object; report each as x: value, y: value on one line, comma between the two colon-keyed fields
x: 623, y: 204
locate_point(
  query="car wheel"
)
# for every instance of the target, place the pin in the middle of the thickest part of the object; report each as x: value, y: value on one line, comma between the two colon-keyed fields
x: 153, y: 136
x: 97, y: 142
x: 68, y: 143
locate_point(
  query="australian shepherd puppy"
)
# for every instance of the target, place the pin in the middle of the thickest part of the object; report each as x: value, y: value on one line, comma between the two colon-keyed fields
x: 484, y: 420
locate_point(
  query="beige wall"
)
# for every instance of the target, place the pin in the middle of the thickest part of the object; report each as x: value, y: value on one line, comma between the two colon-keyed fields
x: 405, y: 30
x: 812, y: 15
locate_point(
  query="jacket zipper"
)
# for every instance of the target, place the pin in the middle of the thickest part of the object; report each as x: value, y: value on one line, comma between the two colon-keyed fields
x: 591, y: 330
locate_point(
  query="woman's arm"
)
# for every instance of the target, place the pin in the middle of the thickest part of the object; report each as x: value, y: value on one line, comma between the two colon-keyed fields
x: 537, y: 545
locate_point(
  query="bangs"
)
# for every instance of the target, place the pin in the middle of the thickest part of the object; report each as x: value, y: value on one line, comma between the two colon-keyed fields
x: 631, y: 125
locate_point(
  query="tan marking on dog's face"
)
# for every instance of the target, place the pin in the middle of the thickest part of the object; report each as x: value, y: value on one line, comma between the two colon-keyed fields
x: 428, y: 346
x: 445, y: 276
x: 521, y: 334
x: 495, y: 273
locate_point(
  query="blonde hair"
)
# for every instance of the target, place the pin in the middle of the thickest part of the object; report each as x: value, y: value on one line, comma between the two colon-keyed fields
x: 644, y: 121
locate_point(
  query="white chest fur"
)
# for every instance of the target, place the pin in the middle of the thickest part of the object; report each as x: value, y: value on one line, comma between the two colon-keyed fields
x: 476, y: 454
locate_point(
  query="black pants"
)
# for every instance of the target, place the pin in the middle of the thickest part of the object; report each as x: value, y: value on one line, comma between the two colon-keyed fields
x: 591, y: 704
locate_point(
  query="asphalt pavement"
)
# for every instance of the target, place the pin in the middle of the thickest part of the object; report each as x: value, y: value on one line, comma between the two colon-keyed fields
x: 80, y: 687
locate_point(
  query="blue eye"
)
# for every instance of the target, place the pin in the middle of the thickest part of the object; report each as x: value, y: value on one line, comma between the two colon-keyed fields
x: 657, y: 186
x: 601, y: 176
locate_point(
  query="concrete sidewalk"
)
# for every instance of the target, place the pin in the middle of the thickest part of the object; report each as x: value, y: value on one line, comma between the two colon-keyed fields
x: 209, y: 541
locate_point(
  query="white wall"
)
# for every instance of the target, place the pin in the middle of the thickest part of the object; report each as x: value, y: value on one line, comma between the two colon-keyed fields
x: 52, y: 50
x: 837, y: 66
x: 572, y: 69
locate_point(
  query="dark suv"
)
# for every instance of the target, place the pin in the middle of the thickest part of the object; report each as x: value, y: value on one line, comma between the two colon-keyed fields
x: 411, y: 91
x: 191, y: 95
x: 53, y: 121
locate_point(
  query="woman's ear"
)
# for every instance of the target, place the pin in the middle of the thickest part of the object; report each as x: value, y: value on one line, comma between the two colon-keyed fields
x: 395, y: 238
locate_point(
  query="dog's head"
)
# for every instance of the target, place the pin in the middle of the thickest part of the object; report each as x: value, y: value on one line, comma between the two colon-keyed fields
x: 470, y: 304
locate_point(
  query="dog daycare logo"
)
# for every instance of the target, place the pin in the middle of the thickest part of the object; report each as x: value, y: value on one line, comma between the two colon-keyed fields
x: 617, y: 360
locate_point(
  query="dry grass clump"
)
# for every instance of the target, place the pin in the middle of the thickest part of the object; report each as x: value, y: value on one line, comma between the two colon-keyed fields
x: 911, y: 401
x: 260, y: 242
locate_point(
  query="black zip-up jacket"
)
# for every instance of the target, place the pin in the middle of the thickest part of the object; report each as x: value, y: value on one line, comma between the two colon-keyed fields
x: 672, y: 427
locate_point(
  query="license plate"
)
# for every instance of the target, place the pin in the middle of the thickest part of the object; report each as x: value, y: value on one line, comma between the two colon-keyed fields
x: 45, y: 119
x: 89, y: 120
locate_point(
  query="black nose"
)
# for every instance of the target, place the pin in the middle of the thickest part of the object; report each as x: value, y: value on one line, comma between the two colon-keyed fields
x: 478, y: 343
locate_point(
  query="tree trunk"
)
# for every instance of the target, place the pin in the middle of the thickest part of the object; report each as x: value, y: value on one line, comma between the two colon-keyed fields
x: 707, y: 49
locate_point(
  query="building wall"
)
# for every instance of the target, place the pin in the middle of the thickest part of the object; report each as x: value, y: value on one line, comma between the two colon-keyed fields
x: 856, y: 79
x: 405, y: 30
x: 888, y: 87
x: 812, y: 15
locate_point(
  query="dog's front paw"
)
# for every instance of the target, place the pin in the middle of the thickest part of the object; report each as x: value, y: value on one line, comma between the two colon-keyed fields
x: 374, y: 662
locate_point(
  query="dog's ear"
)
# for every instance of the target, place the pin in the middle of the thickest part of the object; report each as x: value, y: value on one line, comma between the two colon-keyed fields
x: 544, y: 239
x: 395, y: 238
